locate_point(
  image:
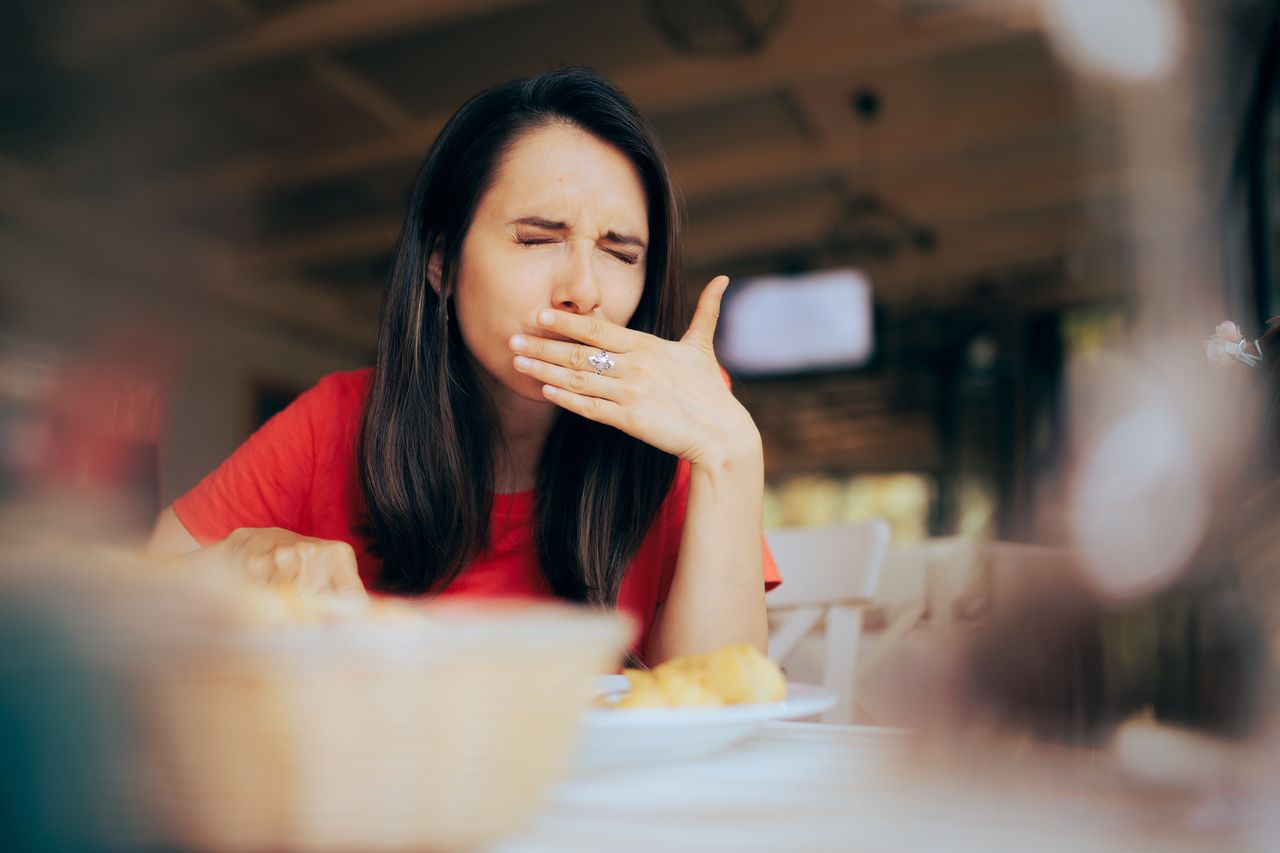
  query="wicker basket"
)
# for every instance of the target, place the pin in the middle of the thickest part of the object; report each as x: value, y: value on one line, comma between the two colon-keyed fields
x: 216, y: 723
x: 439, y: 735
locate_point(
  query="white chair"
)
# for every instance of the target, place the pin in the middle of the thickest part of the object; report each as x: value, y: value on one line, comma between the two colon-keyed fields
x: 922, y: 581
x: 930, y: 591
x: 829, y: 575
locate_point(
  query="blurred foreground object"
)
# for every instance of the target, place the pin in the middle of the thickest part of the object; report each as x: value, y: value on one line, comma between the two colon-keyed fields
x: 1058, y: 663
x: 79, y: 433
x: 219, y: 717
x: 1131, y: 39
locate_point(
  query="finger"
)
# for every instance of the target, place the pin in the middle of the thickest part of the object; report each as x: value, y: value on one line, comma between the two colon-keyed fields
x: 343, y: 573
x: 314, y: 570
x: 285, y: 565
x: 593, y: 408
x: 259, y: 568
x: 564, y: 353
x: 702, y: 329
x: 579, y: 381
x: 596, y: 331
x: 347, y: 581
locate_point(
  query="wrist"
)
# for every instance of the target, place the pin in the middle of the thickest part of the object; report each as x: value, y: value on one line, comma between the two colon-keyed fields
x: 739, y: 456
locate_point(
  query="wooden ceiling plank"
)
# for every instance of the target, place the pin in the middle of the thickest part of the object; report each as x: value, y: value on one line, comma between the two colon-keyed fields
x: 323, y: 25
x: 670, y: 85
x: 933, y: 196
x: 363, y: 239
x: 338, y: 77
x: 110, y: 236
x: 377, y: 103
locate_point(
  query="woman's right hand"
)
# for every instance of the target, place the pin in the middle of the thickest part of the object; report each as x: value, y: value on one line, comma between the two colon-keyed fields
x: 277, y: 557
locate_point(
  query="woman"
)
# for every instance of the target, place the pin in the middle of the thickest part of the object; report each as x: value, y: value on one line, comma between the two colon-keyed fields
x: 535, y: 423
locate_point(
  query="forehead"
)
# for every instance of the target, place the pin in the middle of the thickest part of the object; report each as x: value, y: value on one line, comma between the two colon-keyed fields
x: 564, y: 173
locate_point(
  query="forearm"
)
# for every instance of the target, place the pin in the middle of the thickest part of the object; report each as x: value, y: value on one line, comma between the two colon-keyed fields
x: 717, y: 593
x: 265, y: 555
x: 170, y: 538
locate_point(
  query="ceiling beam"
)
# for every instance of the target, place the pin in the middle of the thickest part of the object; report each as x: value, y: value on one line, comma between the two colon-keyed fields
x: 679, y: 83
x: 924, y: 185
x: 327, y: 245
x: 322, y: 25
x: 378, y: 104
x: 338, y: 77
x: 111, y: 238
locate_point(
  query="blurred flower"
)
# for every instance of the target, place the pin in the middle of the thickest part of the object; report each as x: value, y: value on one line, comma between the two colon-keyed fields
x: 1227, y: 347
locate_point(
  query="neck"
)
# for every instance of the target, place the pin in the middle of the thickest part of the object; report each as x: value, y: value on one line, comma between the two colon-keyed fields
x: 523, y: 425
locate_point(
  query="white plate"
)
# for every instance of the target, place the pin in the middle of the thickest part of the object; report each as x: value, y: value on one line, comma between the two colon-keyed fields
x: 623, y: 737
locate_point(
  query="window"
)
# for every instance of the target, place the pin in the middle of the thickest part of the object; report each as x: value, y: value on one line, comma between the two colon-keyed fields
x: 815, y: 500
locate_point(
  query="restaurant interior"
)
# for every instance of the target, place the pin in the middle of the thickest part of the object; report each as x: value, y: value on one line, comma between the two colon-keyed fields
x: 978, y: 250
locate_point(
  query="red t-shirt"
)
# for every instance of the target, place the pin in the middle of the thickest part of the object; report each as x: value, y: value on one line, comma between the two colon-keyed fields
x: 298, y: 472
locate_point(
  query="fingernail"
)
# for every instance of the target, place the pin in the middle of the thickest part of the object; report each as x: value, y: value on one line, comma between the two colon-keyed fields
x: 519, y: 342
x: 523, y: 363
x: 549, y: 390
x: 547, y: 318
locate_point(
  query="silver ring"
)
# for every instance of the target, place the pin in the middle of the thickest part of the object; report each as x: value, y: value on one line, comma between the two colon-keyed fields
x: 602, y: 362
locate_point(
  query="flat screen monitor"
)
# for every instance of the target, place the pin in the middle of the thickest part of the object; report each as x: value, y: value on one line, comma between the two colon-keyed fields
x: 780, y: 325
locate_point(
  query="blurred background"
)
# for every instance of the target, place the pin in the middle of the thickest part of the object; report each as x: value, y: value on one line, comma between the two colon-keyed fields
x: 201, y: 199
x: 978, y: 247
x: 1014, y: 222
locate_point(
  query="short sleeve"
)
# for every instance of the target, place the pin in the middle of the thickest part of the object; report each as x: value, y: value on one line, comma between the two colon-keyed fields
x: 268, y: 480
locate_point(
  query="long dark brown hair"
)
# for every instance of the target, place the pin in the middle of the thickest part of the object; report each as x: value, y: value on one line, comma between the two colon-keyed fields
x: 1270, y: 386
x: 429, y: 435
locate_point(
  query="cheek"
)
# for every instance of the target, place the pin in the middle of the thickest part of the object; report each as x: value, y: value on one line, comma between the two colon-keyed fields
x: 490, y: 295
x: 624, y: 302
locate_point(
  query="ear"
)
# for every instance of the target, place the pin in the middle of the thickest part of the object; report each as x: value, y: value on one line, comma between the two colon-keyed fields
x: 435, y: 267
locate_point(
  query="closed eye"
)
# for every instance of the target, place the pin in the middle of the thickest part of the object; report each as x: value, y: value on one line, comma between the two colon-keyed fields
x: 624, y: 257
x: 535, y: 241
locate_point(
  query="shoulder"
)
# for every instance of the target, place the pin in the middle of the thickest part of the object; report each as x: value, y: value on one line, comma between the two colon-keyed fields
x: 330, y: 409
x: 334, y: 406
x: 334, y: 397
x: 344, y: 387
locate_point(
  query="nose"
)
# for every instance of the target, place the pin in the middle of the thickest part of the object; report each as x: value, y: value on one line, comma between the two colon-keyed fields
x: 576, y: 288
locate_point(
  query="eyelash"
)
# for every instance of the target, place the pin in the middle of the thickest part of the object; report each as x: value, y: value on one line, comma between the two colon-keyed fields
x: 629, y: 260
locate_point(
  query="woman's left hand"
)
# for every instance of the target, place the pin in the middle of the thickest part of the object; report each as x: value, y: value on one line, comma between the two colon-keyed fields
x: 669, y: 394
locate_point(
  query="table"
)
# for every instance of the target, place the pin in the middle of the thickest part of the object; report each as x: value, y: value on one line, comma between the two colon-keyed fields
x: 789, y: 785
x: 818, y: 787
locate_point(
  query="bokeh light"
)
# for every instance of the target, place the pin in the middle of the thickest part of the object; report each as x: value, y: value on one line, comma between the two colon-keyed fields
x: 1129, y: 39
x: 1139, y: 504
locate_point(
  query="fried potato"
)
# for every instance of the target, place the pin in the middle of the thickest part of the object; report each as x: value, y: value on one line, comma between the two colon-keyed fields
x: 670, y: 688
x: 733, y: 675
x: 740, y: 675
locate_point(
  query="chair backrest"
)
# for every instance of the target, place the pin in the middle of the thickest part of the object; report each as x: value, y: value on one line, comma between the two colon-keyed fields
x: 829, y: 574
x: 822, y: 565
x: 927, y: 577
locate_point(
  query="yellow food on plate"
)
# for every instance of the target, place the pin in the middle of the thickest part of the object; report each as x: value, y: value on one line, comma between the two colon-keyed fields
x: 733, y: 675
x: 742, y: 676
x: 665, y: 689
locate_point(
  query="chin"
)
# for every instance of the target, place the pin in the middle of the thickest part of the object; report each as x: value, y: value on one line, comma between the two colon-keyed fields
x: 529, y: 388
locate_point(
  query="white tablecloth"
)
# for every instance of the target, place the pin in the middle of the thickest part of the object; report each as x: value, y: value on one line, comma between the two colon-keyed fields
x: 790, y: 786
x: 811, y: 787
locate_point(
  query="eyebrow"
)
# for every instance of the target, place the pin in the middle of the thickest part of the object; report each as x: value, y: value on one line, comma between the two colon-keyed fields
x: 550, y: 225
